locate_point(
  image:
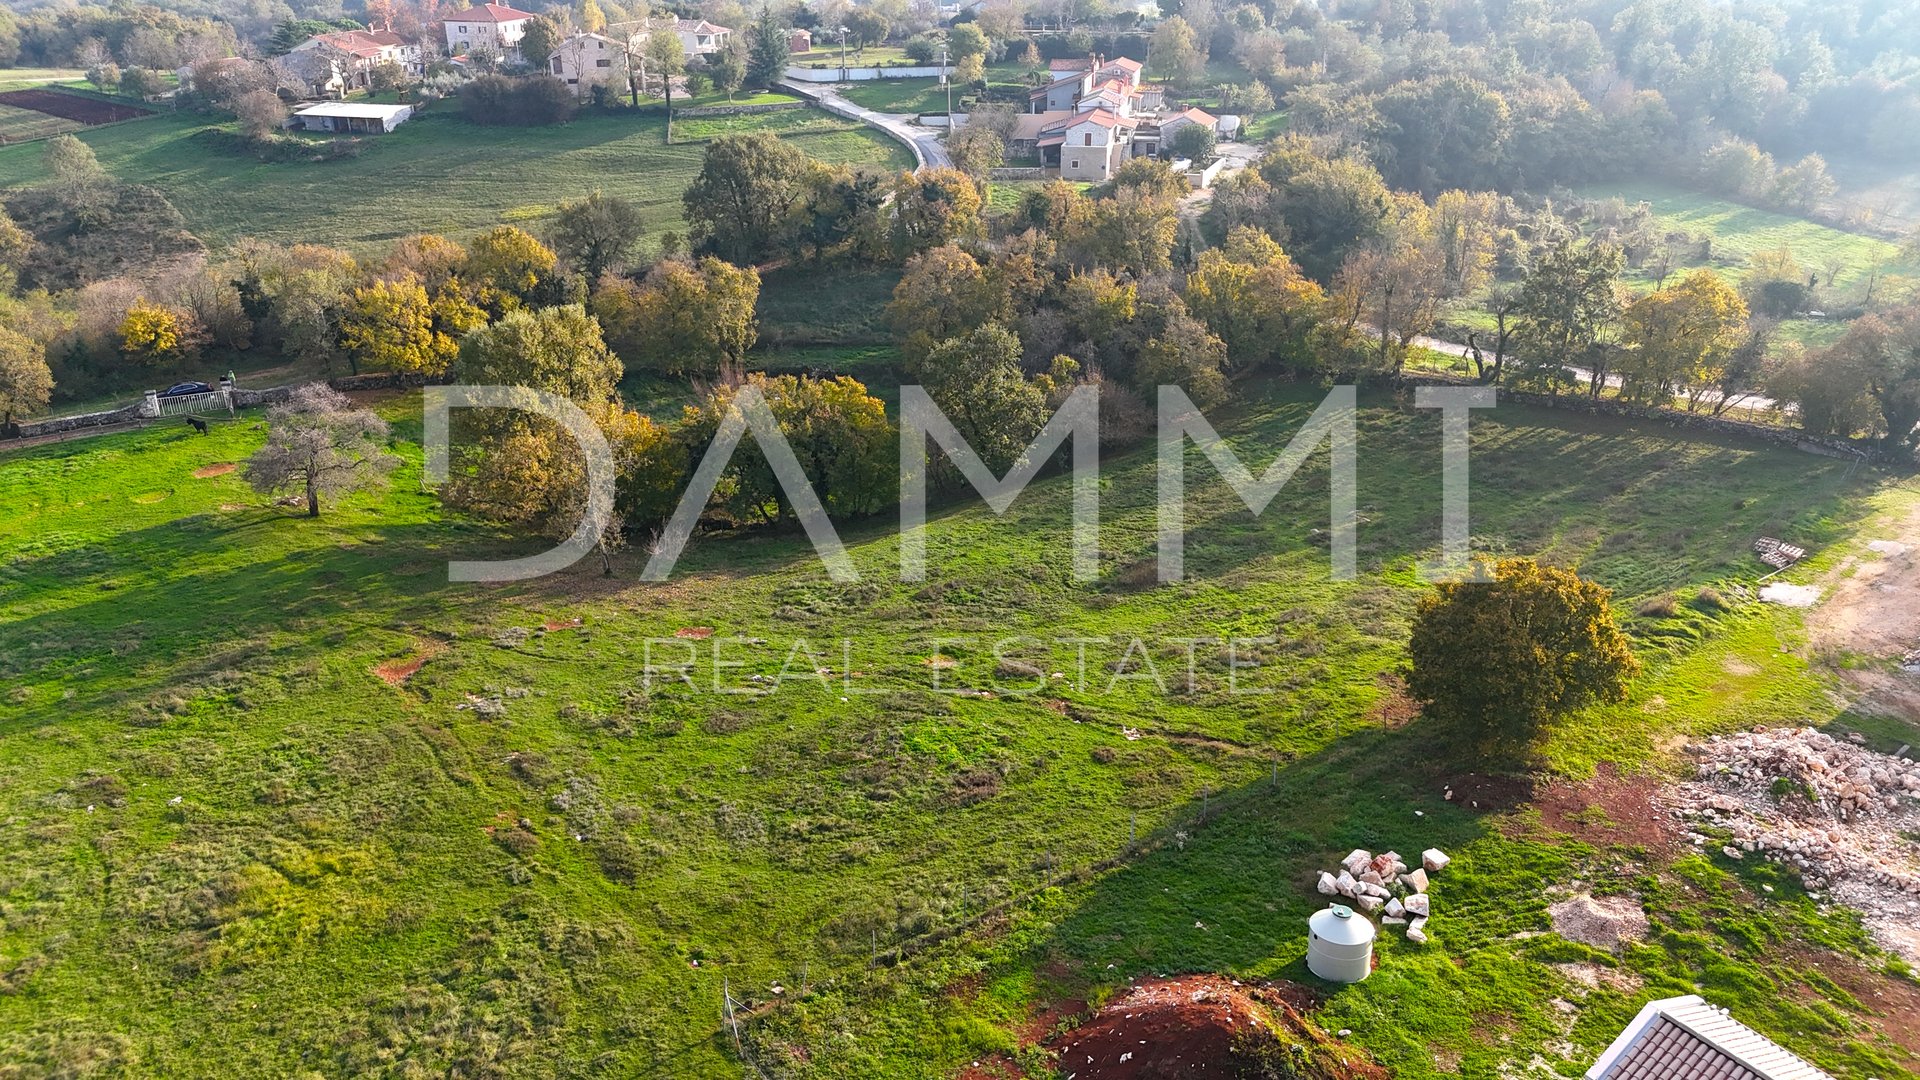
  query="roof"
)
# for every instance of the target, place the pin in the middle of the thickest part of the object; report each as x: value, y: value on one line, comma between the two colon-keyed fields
x: 1195, y: 114
x: 699, y: 26
x: 357, y: 110
x: 1084, y: 63
x: 1040, y: 91
x: 362, y: 43
x: 496, y: 13
x: 1102, y: 117
x: 1687, y: 1037
x: 1126, y: 64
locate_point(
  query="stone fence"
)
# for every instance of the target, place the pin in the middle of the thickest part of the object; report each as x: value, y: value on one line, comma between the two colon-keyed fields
x: 228, y: 397
x: 1824, y: 445
x: 1017, y: 174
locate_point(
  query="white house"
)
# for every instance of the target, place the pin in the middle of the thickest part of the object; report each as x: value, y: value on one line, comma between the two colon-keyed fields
x: 1088, y: 146
x: 700, y: 37
x: 352, y: 117
x: 1187, y: 117
x: 495, y: 27
x: 584, y: 61
x: 338, y: 62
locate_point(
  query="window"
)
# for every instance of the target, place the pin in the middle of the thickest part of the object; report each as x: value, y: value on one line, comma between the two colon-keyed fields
x: 463, y: 31
x: 1089, y: 137
x: 1074, y: 164
x: 603, y: 63
x: 556, y: 65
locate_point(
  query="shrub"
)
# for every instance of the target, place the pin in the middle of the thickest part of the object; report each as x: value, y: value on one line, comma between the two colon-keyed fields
x: 1659, y: 607
x: 536, y: 101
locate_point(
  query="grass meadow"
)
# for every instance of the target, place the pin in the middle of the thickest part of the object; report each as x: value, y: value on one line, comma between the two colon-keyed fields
x: 281, y: 800
x: 438, y: 173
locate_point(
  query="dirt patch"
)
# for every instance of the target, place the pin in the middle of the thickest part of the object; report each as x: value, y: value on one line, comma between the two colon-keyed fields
x: 1476, y: 791
x: 1609, y: 809
x: 1594, y: 976
x: 397, y: 671
x: 1893, y: 1003
x: 1873, y: 610
x: 697, y: 633
x: 220, y: 468
x: 84, y: 110
x: 1602, y: 922
x: 1204, y: 1025
x: 574, y: 623
x: 1395, y: 709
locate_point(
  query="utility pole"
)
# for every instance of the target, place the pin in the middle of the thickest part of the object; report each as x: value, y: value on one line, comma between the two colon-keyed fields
x: 842, y: 31
x: 946, y: 76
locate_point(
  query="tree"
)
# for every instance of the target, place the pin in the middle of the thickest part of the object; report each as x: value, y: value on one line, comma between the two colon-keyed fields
x: 1443, y: 133
x: 1195, y: 142
x: 319, y: 443
x: 390, y: 327
x: 934, y: 207
x: 1186, y: 355
x: 388, y: 77
x: 1495, y: 662
x: 740, y: 205
x: 1881, y: 355
x: 1175, y: 52
x: 728, y: 71
x: 15, y: 242
x: 558, y: 349
x: 970, y: 70
x: 867, y: 25
x: 1680, y: 339
x: 1258, y: 302
x: 666, y: 58
x: 596, y: 232
x: 1133, y: 230
x: 1738, y: 168
x: 141, y: 82
x: 1805, y: 184
x: 686, y: 318
x: 260, y: 113
x: 592, y: 19
x: 976, y: 150
x: 1565, y: 307
x: 539, y: 38
x: 976, y: 380
x: 767, y: 50
x: 944, y: 293
x: 79, y: 183
x: 26, y: 384
x: 507, y: 268
x: 964, y: 40
x: 838, y: 432
x: 150, y: 333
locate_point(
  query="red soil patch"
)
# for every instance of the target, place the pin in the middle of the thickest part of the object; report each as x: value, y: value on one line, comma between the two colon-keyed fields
x: 1893, y: 1002
x: 562, y: 624
x: 74, y: 107
x: 218, y: 469
x: 397, y: 671
x: 1395, y: 709
x: 1477, y: 792
x: 1203, y: 1025
x: 698, y: 633
x: 1609, y: 809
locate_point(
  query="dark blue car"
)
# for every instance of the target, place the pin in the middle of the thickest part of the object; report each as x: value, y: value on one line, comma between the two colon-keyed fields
x: 185, y: 388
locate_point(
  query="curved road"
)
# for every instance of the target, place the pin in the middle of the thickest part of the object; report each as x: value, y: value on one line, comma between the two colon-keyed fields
x: 929, y: 152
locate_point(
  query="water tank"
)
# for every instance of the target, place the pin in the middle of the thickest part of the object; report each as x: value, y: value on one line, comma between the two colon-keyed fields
x: 1339, y: 945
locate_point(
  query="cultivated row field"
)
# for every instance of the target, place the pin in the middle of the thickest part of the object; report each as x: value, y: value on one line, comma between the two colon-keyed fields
x: 437, y: 173
x: 282, y: 801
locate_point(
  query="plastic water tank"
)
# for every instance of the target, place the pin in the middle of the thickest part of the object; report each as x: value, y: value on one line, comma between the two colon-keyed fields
x: 1339, y: 945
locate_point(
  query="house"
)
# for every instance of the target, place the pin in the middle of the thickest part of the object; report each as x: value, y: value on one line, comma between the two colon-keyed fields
x: 1185, y: 118
x: 700, y: 37
x: 1087, y: 146
x: 351, y: 117
x: 1120, y: 67
x: 1685, y: 1038
x: 338, y: 62
x: 800, y: 41
x: 584, y: 61
x: 493, y: 27
x: 1060, y: 94
x: 1110, y: 94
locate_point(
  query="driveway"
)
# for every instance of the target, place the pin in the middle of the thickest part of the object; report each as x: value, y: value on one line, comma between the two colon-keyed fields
x: 929, y: 151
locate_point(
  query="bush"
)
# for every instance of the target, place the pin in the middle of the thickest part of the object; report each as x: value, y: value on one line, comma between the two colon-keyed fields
x: 921, y: 50
x: 535, y: 101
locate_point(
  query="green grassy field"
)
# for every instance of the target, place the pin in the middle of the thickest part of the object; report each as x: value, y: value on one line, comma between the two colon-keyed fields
x: 235, y: 850
x: 438, y: 173
x: 18, y: 124
x: 18, y: 78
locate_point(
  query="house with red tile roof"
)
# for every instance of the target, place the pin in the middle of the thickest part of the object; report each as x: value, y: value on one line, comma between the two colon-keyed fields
x: 344, y: 60
x: 1088, y: 146
x: 495, y: 27
x: 1685, y: 1038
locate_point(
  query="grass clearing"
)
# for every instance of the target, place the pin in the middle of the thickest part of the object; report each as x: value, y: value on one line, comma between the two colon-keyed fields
x: 438, y: 173
x: 18, y: 125
x: 239, y: 844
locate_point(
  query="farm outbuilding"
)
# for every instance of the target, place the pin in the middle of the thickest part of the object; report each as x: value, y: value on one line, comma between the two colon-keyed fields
x: 352, y: 117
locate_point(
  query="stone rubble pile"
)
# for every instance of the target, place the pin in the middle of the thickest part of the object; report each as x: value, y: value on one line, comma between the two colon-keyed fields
x: 1386, y: 886
x: 1841, y: 814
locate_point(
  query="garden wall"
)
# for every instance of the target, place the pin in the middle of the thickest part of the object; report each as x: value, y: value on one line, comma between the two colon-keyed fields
x: 863, y: 74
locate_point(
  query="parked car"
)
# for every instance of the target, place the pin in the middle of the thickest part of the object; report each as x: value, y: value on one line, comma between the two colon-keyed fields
x: 182, y: 389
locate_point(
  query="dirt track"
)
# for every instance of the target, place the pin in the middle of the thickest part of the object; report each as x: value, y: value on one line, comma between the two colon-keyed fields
x: 1872, y: 610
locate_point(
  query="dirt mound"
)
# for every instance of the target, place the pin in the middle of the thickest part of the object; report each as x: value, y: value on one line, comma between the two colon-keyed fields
x: 217, y: 469
x: 397, y: 671
x: 1203, y: 1025
x: 1601, y: 923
